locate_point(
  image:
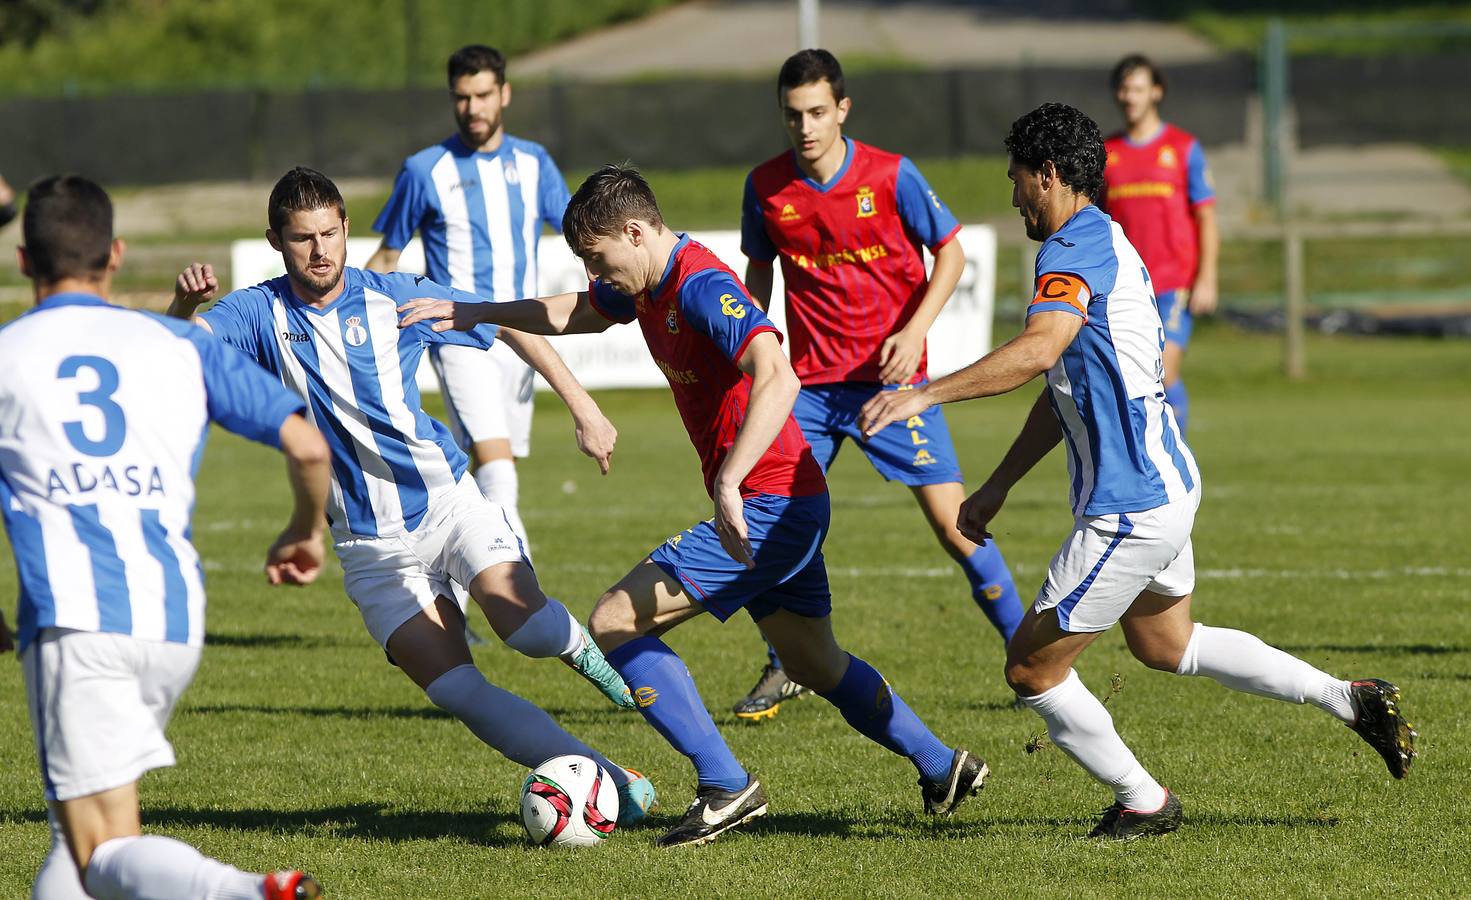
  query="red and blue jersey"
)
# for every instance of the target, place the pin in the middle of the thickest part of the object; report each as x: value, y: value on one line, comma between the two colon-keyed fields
x: 698, y: 322
x: 1152, y: 190
x: 851, y: 255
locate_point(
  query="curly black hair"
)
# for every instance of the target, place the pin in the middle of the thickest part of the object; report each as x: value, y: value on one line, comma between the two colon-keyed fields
x: 1065, y: 135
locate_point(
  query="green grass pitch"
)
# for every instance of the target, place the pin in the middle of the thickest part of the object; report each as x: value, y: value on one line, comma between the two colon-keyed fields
x: 1334, y: 524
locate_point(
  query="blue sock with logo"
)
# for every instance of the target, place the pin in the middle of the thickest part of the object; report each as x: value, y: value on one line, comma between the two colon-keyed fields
x: 877, y: 712
x: 771, y: 656
x: 992, y: 588
x: 667, y: 697
x: 1178, y: 399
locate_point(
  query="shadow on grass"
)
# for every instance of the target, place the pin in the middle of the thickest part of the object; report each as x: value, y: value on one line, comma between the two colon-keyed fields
x: 331, y: 712
x: 271, y: 641
x: 1412, y: 649
x: 369, y: 821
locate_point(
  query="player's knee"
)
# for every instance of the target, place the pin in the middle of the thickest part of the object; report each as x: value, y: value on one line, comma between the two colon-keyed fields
x: 612, y: 622
x: 1028, y: 679
x: 1157, y: 655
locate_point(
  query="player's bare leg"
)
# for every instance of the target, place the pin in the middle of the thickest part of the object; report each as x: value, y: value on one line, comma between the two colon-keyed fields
x: 111, y: 856
x: 536, y: 625
x: 1162, y: 635
x: 626, y: 622
x: 992, y: 587
x: 1039, y: 667
x: 430, y: 648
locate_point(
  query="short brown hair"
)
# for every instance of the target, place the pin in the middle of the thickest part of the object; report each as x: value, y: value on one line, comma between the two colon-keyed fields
x: 67, y: 228
x: 302, y: 189
x: 608, y: 198
x: 1133, y: 63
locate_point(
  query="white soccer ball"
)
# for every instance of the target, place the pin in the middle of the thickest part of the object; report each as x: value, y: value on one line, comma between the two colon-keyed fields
x: 569, y: 801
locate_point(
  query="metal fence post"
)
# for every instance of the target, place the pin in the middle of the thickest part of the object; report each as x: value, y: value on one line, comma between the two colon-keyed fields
x: 1274, y: 113
x: 1294, y: 283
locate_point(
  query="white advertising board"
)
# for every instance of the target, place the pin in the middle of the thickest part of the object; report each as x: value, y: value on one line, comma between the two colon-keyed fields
x: 618, y: 357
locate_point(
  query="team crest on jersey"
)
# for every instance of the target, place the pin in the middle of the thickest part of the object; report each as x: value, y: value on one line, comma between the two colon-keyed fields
x: 513, y: 174
x: 789, y: 213
x: 355, y: 334
x: 865, y: 202
x: 732, y: 307
x: 671, y: 321
x: 1167, y: 157
x: 1113, y: 159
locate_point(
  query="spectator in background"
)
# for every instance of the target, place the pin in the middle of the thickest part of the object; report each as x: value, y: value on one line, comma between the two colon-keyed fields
x: 1158, y: 189
x: 7, y: 202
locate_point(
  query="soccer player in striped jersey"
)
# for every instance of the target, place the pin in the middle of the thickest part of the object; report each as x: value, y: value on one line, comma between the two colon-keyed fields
x: 480, y: 200
x: 406, y: 522
x: 849, y: 223
x: 103, y: 416
x: 1158, y: 189
x: 762, y: 550
x: 1094, y: 331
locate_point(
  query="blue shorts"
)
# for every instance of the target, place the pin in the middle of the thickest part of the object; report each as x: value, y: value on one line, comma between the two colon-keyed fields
x: 916, y: 452
x: 1174, y: 312
x: 786, y: 536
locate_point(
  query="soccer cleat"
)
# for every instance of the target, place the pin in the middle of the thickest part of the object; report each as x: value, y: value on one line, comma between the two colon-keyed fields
x: 1380, y: 724
x: 592, y: 665
x: 967, y: 776
x: 290, y: 885
x: 715, y: 812
x: 766, y: 697
x: 1120, y: 824
x: 635, y: 799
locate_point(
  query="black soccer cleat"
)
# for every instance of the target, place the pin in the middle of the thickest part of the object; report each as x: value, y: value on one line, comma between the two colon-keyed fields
x: 713, y: 813
x: 766, y: 697
x: 1380, y: 724
x: 1120, y: 824
x: 967, y: 776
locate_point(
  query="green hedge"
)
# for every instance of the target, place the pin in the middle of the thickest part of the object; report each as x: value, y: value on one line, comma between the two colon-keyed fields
x: 156, y: 45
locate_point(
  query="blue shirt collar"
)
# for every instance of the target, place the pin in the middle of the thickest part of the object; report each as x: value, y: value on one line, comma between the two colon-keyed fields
x: 72, y: 298
x: 831, y: 183
x: 684, y: 240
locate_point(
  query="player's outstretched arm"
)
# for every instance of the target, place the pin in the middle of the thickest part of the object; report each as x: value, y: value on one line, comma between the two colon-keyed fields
x: 195, y: 287
x: 560, y: 314
x: 900, y: 353
x: 774, y: 389
x: 296, y: 556
x: 1037, y: 438
x: 1008, y: 367
x: 1205, y: 293
x: 596, y: 436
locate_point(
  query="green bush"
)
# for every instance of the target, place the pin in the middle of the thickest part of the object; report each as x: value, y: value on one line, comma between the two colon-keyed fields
x: 157, y: 45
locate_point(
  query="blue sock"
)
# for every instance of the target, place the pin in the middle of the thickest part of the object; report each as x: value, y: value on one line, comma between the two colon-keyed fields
x: 879, y: 714
x: 993, y: 589
x: 771, y: 655
x: 1178, y: 399
x: 666, y: 696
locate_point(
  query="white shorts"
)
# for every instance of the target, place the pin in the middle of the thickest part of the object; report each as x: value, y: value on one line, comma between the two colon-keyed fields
x: 1108, y: 561
x: 99, y: 704
x: 488, y: 394
x: 393, y: 578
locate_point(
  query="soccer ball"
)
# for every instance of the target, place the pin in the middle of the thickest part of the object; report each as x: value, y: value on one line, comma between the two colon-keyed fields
x: 569, y: 801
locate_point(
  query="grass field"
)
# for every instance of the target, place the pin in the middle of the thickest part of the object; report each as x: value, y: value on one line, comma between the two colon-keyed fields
x: 1334, y: 525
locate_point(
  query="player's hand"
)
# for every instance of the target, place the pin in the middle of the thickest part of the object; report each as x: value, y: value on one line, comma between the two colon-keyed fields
x: 596, y: 437
x: 446, y: 315
x: 730, y: 525
x: 7, y: 641
x: 1203, y: 297
x: 196, y: 286
x: 887, y: 407
x: 978, y: 510
x: 899, y: 357
x: 295, y: 558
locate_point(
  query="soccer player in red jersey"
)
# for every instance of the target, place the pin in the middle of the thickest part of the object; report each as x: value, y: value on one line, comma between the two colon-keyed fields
x: 1158, y: 189
x: 849, y: 223
x: 762, y: 550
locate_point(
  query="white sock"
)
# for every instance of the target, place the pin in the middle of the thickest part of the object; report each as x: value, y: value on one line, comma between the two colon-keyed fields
x: 550, y: 631
x: 58, y: 878
x: 517, y: 728
x: 501, y: 485
x: 1080, y: 727
x: 1242, y: 662
x: 161, y: 868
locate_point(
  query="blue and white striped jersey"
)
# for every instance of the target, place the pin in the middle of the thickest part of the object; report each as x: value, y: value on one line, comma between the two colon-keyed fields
x: 355, y: 369
x: 1125, y: 450
x: 103, y: 417
x: 480, y: 214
